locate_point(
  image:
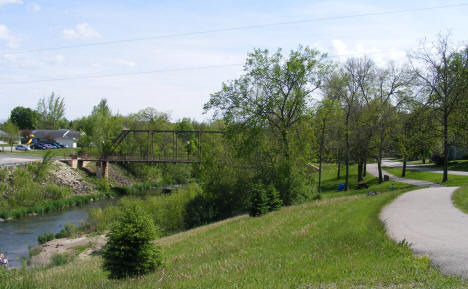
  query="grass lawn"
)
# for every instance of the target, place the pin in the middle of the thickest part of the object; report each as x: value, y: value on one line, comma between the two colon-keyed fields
x: 430, y: 176
x: 330, y: 183
x: 460, y: 165
x: 338, y: 243
x: 460, y: 199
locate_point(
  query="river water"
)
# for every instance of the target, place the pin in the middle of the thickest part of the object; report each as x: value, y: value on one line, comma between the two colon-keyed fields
x: 16, y: 236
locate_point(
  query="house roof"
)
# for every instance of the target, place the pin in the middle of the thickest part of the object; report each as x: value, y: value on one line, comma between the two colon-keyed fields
x: 56, y: 134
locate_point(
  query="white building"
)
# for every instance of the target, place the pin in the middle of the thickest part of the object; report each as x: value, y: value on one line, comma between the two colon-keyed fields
x: 66, y: 137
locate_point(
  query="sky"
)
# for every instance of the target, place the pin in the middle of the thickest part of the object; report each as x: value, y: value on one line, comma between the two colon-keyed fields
x: 171, y: 55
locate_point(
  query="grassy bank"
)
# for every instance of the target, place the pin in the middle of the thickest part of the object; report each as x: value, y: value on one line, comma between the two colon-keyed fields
x: 460, y: 198
x: 44, y: 187
x: 430, y: 176
x: 337, y: 243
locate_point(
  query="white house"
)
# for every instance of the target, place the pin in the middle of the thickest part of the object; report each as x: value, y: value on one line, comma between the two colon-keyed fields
x: 66, y: 137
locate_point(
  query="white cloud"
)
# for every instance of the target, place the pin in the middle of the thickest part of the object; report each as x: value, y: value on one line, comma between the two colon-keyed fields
x: 125, y: 63
x: 5, y: 35
x: 4, y: 2
x: 82, y: 31
x: 35, y: 7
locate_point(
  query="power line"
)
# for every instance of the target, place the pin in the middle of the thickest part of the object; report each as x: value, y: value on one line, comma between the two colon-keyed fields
x: 95, y: 76
x: 235, y: 28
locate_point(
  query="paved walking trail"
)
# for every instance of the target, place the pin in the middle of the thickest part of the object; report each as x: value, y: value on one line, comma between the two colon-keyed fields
x: 428, y: 221
x: 394, y: 164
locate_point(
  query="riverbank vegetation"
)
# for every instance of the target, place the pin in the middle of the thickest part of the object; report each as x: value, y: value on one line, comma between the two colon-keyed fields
x: 338, y: 243
x: 43, y: 187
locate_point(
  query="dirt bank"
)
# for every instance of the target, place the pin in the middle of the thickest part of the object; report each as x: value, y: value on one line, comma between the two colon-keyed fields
x: 80, y: 248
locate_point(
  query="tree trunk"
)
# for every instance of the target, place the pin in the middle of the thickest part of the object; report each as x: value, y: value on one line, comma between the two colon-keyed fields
x: 424, y: 160
x: 347, y: 155
x: 364, y: 169
x: 403, y: 171
x: 445, y: 178
x: 338, y: 174
x: 320, y: 157
x: 379, y: 166
x: 360, y: 166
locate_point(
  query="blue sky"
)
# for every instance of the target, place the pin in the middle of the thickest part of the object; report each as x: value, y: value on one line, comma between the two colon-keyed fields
x: 27, y: 25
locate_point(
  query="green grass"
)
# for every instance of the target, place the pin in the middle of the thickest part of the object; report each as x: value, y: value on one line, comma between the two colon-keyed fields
x: 430, y: 176
x: 337, y: 243
x: 330, y: 183
x: 460, y: 199
x: 457, y: 165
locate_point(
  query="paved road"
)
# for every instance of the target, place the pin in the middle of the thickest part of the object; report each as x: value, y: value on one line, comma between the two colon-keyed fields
x: 14, y: 159
x: 428, y: 221
x: 395, y: 164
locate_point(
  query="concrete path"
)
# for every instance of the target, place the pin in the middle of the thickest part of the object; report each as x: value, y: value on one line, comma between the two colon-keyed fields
x: 395, y: 164
x: 428, y: 221
x: 373, y: 170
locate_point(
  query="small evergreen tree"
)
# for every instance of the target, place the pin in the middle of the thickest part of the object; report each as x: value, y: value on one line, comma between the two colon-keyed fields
x: 274, y: 200
x: 259, y: 201
x: 130, y: 250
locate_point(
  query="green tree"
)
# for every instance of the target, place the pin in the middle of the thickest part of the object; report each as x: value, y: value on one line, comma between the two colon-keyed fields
x: 442, y: 70
x: 24, y: 117
x: 12, y: 132
x: 272, y: 96
x: 51, y: 112
x: 130, y: 250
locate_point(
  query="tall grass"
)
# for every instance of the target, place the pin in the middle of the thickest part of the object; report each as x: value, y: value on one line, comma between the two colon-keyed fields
x: 167, y: 210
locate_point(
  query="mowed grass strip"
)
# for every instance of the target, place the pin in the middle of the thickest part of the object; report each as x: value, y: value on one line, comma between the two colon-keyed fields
x: 460, y: 198
x: 453, y: 180
x: 330, y: 183
x: 335, y: 243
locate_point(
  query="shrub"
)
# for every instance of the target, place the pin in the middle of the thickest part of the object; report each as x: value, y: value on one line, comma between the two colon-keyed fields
x: 130, y: 250
x: 274, y: 200
x: 55, y: 192
x: 60, y: 259
x: 259, y: 201
x: 199, y: 211
x: 67, y: 232
x: 102, y: 185
x: 46, y: 237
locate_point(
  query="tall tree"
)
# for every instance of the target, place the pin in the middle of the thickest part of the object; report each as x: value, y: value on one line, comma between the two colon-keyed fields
x: 391, y: 85
x: 12, y: 132
x: 51, y: 111
x: 272, y: 94
x: 442, y: 71
x: 24, y: 117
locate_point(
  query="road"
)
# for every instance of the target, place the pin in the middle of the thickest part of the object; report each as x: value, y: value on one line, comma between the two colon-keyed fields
x: 428, y: 221
x: 14, y: 159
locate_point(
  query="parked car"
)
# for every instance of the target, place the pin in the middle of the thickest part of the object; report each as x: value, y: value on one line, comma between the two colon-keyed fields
x: 37, y: 146
x: 47, y: 146
x: 22, y: 148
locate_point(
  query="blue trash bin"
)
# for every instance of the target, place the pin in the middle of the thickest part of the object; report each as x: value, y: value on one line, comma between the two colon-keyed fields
x: 340, y: 187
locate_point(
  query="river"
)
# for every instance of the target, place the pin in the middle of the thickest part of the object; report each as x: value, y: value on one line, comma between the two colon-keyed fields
x: 16, y: 236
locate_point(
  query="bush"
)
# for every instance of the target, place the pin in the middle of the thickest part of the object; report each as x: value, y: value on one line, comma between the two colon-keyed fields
x: 259, y: 201
x: 69, y: 231
x: 55, y: 192
x: 46, y: 237
x: 130, y: 250
x: 199, y: 211
x: 274, y: 200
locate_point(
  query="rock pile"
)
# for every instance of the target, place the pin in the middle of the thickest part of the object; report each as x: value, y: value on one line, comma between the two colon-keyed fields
x: 64, y: 175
